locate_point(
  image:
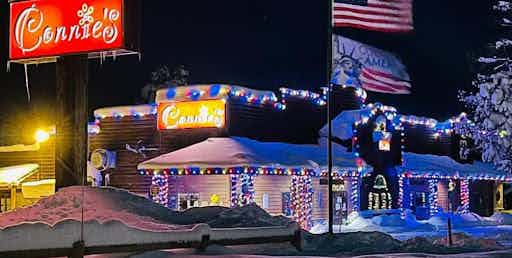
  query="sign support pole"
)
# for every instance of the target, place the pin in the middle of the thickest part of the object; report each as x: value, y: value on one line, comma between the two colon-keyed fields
x: 71, y: 120
x: 330, y: 105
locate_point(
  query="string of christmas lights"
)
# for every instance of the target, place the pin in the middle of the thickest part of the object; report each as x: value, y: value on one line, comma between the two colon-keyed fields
x: 301, y: 193
x: 162, y: 184
x: 303, y: 94
x: 246, y: 190
x: 464, y: 196
x: 401, y: 196
x: 217, y: 91
x: 432, y: 197
x: 230, y: 171
x: 456, y: 176
x: 354, y: 193
x: 234, y: 192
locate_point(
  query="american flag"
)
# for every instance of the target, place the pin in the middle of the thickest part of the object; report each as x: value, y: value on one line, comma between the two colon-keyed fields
x: 378, y: 81
x: 377, y: 15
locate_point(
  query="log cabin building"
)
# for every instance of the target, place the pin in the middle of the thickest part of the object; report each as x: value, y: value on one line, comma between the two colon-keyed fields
x: 228, y: 145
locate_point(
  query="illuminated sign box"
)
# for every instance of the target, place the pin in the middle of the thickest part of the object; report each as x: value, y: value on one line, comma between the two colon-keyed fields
x: 193, y: 114
x: 42, y: 30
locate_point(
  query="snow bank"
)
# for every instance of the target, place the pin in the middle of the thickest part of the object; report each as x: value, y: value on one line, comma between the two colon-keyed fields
x: 98, y: 204
x: 247, y: 216
x: 460, y: 220
x: 501, y: 218
x: 117, y: 217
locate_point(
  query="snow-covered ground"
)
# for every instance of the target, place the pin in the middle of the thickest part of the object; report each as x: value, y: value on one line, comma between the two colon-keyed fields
x: 113, y: 216
x: 498, y: 226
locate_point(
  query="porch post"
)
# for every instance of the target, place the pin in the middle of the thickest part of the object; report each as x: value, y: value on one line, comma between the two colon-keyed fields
x: 13, y: 197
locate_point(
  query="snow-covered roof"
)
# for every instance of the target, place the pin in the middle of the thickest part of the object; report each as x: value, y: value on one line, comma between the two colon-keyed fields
x: 342, y: 124
x: 432, y: 166
x: 243, y: 152
x: 122, y: 111
x: 20, y: 148
x: 16, y: 174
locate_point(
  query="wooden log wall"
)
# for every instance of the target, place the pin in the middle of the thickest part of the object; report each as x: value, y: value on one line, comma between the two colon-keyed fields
x: 44, y: 157
x: 345, y: 99
x: 253, y: 121
x: 421, y: 139
x: 206, y: 186
x: 114, y: 135
x: 301, y: 121
x: 274, y: 186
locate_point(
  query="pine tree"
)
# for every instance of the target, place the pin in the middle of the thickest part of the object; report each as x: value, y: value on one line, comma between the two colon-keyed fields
x: 490, y: 104
x: 162, y: 78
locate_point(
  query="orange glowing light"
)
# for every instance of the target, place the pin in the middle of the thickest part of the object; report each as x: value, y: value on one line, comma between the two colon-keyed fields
x: 193, y: 114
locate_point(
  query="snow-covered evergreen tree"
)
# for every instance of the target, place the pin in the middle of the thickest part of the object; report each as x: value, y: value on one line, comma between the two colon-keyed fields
x: 491, y: 103
x: 162, y: 78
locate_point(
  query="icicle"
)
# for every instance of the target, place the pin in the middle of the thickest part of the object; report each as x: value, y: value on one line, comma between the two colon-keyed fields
x: 26, y: 81
x: 114, y: 55
x: 8, y: 66
x: 140, y: 57
x: 101, y: 59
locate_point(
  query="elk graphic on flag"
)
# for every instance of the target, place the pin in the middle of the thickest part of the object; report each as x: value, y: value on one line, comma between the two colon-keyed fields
x: 360, y: 65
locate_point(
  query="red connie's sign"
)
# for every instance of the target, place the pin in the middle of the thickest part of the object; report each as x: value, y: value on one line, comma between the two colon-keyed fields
x: 48, y: 28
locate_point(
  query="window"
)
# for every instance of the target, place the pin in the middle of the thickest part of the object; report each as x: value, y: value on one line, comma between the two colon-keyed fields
x: 265, y: 201
x: 188, y: 200
x: 320, y: 200
x: 5, y: 202
x: 287, y: 204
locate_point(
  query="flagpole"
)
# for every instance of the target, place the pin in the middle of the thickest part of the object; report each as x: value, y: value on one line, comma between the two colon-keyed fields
x: 329, y: 112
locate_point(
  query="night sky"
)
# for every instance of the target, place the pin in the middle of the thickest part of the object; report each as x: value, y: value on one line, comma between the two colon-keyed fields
x: 267, y: 44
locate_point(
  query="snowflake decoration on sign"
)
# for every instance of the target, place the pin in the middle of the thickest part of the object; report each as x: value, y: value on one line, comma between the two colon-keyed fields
x: 85, y: 14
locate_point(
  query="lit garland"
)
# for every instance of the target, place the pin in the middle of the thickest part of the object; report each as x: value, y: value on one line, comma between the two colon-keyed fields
x: 162, y: 182
x: 354, y: 193
x: 432, y: 197
x: 301, y: 192
x: 464, y: 196
x: 230, y: 171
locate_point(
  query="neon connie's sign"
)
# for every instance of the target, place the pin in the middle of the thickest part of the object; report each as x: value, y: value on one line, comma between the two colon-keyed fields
x: 47, y: 28
x: 193, y: 114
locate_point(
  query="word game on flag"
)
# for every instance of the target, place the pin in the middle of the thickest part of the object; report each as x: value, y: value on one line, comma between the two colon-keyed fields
x: 365, y: 66
x: 376, y: 15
